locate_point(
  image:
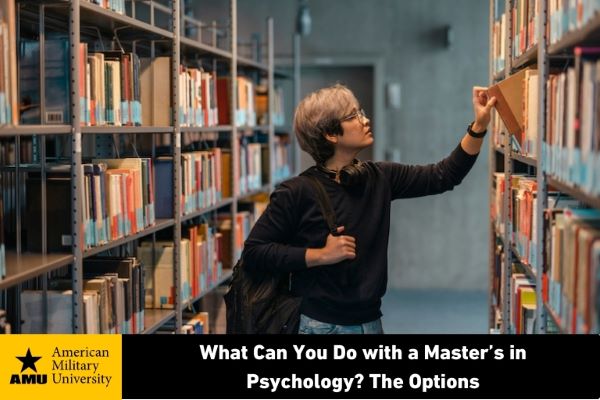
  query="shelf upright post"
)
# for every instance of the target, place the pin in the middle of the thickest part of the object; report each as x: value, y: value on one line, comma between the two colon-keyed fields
x: 235, y: 144
x: 295, y: 146
x: 542, y: 189
x: 270, y: 99
x: 492, y: 167
x: 42, y: 159
x: 506, y: 303
x: 76, y: 171
x: 175, y: 59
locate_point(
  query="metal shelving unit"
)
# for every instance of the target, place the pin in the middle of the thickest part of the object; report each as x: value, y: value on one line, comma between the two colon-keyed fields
x: 535, y: 53
x: 540, y: 55
x: 80, y: 14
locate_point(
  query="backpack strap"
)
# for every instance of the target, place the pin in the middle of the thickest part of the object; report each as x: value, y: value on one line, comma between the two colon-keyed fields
x: 325, y: 204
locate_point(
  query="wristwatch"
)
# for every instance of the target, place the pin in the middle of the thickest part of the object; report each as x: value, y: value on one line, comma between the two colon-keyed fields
x: 477, y: 135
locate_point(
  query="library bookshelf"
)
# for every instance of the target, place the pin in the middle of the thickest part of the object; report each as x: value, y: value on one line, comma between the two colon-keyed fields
x: 219, y: 150
x: 535, y: 175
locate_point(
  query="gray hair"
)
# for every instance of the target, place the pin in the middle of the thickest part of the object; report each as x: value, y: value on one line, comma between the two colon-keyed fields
x: 319, y: 114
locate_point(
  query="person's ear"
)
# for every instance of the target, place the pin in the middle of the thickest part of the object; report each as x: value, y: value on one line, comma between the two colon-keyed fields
x: 331, y: 138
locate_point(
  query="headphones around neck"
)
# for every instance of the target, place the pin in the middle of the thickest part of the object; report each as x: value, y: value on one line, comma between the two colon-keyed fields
x: 353, y: 175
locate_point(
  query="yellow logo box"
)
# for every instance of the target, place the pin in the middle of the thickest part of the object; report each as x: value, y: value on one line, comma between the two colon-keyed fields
x: 60, y: 367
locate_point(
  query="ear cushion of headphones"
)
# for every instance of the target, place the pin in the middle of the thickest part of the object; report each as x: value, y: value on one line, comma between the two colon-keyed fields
x: 353, y: 175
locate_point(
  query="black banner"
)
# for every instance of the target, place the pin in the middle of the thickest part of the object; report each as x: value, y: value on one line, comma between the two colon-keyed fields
x: 361, y: 366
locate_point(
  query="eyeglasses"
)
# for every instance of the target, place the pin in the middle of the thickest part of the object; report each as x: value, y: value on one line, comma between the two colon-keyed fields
x: 360, y: 114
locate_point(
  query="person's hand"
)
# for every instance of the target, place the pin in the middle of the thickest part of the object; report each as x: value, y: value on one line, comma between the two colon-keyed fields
x: 338, y: 248
x: 482, y: 107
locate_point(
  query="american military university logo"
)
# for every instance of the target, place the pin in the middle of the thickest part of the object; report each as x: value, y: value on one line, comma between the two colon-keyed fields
x: 24, y: 378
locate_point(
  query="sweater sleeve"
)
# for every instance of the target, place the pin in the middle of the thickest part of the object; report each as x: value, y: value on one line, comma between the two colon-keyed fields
x: 408, y: 181
x: 266, y: 247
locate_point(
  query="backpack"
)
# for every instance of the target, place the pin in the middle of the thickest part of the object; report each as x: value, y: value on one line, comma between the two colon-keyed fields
x: 258, y: 300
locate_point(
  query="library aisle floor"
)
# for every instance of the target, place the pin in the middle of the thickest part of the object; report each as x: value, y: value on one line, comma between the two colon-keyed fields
x: 434, y: 311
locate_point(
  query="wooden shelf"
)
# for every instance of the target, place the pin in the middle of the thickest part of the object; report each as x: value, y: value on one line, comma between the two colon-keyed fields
x: 575, y: 192
x: 530, y: 56
x: 227, y: 273
x: 159, y: 225
x: 588, y: 34
x: 220, y: 204
x: 28, y: 130
x: 20, y: 267
x: 155, y: 318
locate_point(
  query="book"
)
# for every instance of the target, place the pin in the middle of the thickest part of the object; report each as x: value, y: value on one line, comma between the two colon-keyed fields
x: 509, y: 102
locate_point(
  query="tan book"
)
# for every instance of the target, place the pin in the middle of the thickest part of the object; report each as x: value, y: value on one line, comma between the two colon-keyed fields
x: 509, y: 102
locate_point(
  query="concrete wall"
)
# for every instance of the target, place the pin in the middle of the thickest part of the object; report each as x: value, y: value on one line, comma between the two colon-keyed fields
x: 438, y: 241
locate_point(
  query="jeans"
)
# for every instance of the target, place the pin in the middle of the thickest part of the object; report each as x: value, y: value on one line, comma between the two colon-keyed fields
x: 309, y: 326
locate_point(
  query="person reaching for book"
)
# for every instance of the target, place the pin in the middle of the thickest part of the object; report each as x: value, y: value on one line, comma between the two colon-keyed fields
x: 342, y: 276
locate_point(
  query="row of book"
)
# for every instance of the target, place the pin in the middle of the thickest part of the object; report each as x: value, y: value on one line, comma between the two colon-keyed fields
x: 121, y: 89
x: 499, y: 35
x: 245, y: 114
x: 113, y: 300
x: 202, y: 254
x: 525, y: 25
x: 245, y: 219
x: 197, y: 94
x: 569, y: 15
x: 206, y: 180
x: 109, y: 88
x: 262, y: 106
x: 521, y: 211
x: 522, y: 208
x: 522, y: 296
x: 117, y: 290
x: 571, y: 286
x: 118, y: 198
x: 571, y: 147
x: 523, y: 303
x: 8, y: 64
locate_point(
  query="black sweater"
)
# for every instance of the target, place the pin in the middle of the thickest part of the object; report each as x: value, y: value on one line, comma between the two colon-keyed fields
x: 348, y: 292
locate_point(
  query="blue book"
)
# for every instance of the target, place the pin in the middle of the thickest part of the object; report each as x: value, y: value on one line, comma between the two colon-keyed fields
x: 163, y: 199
